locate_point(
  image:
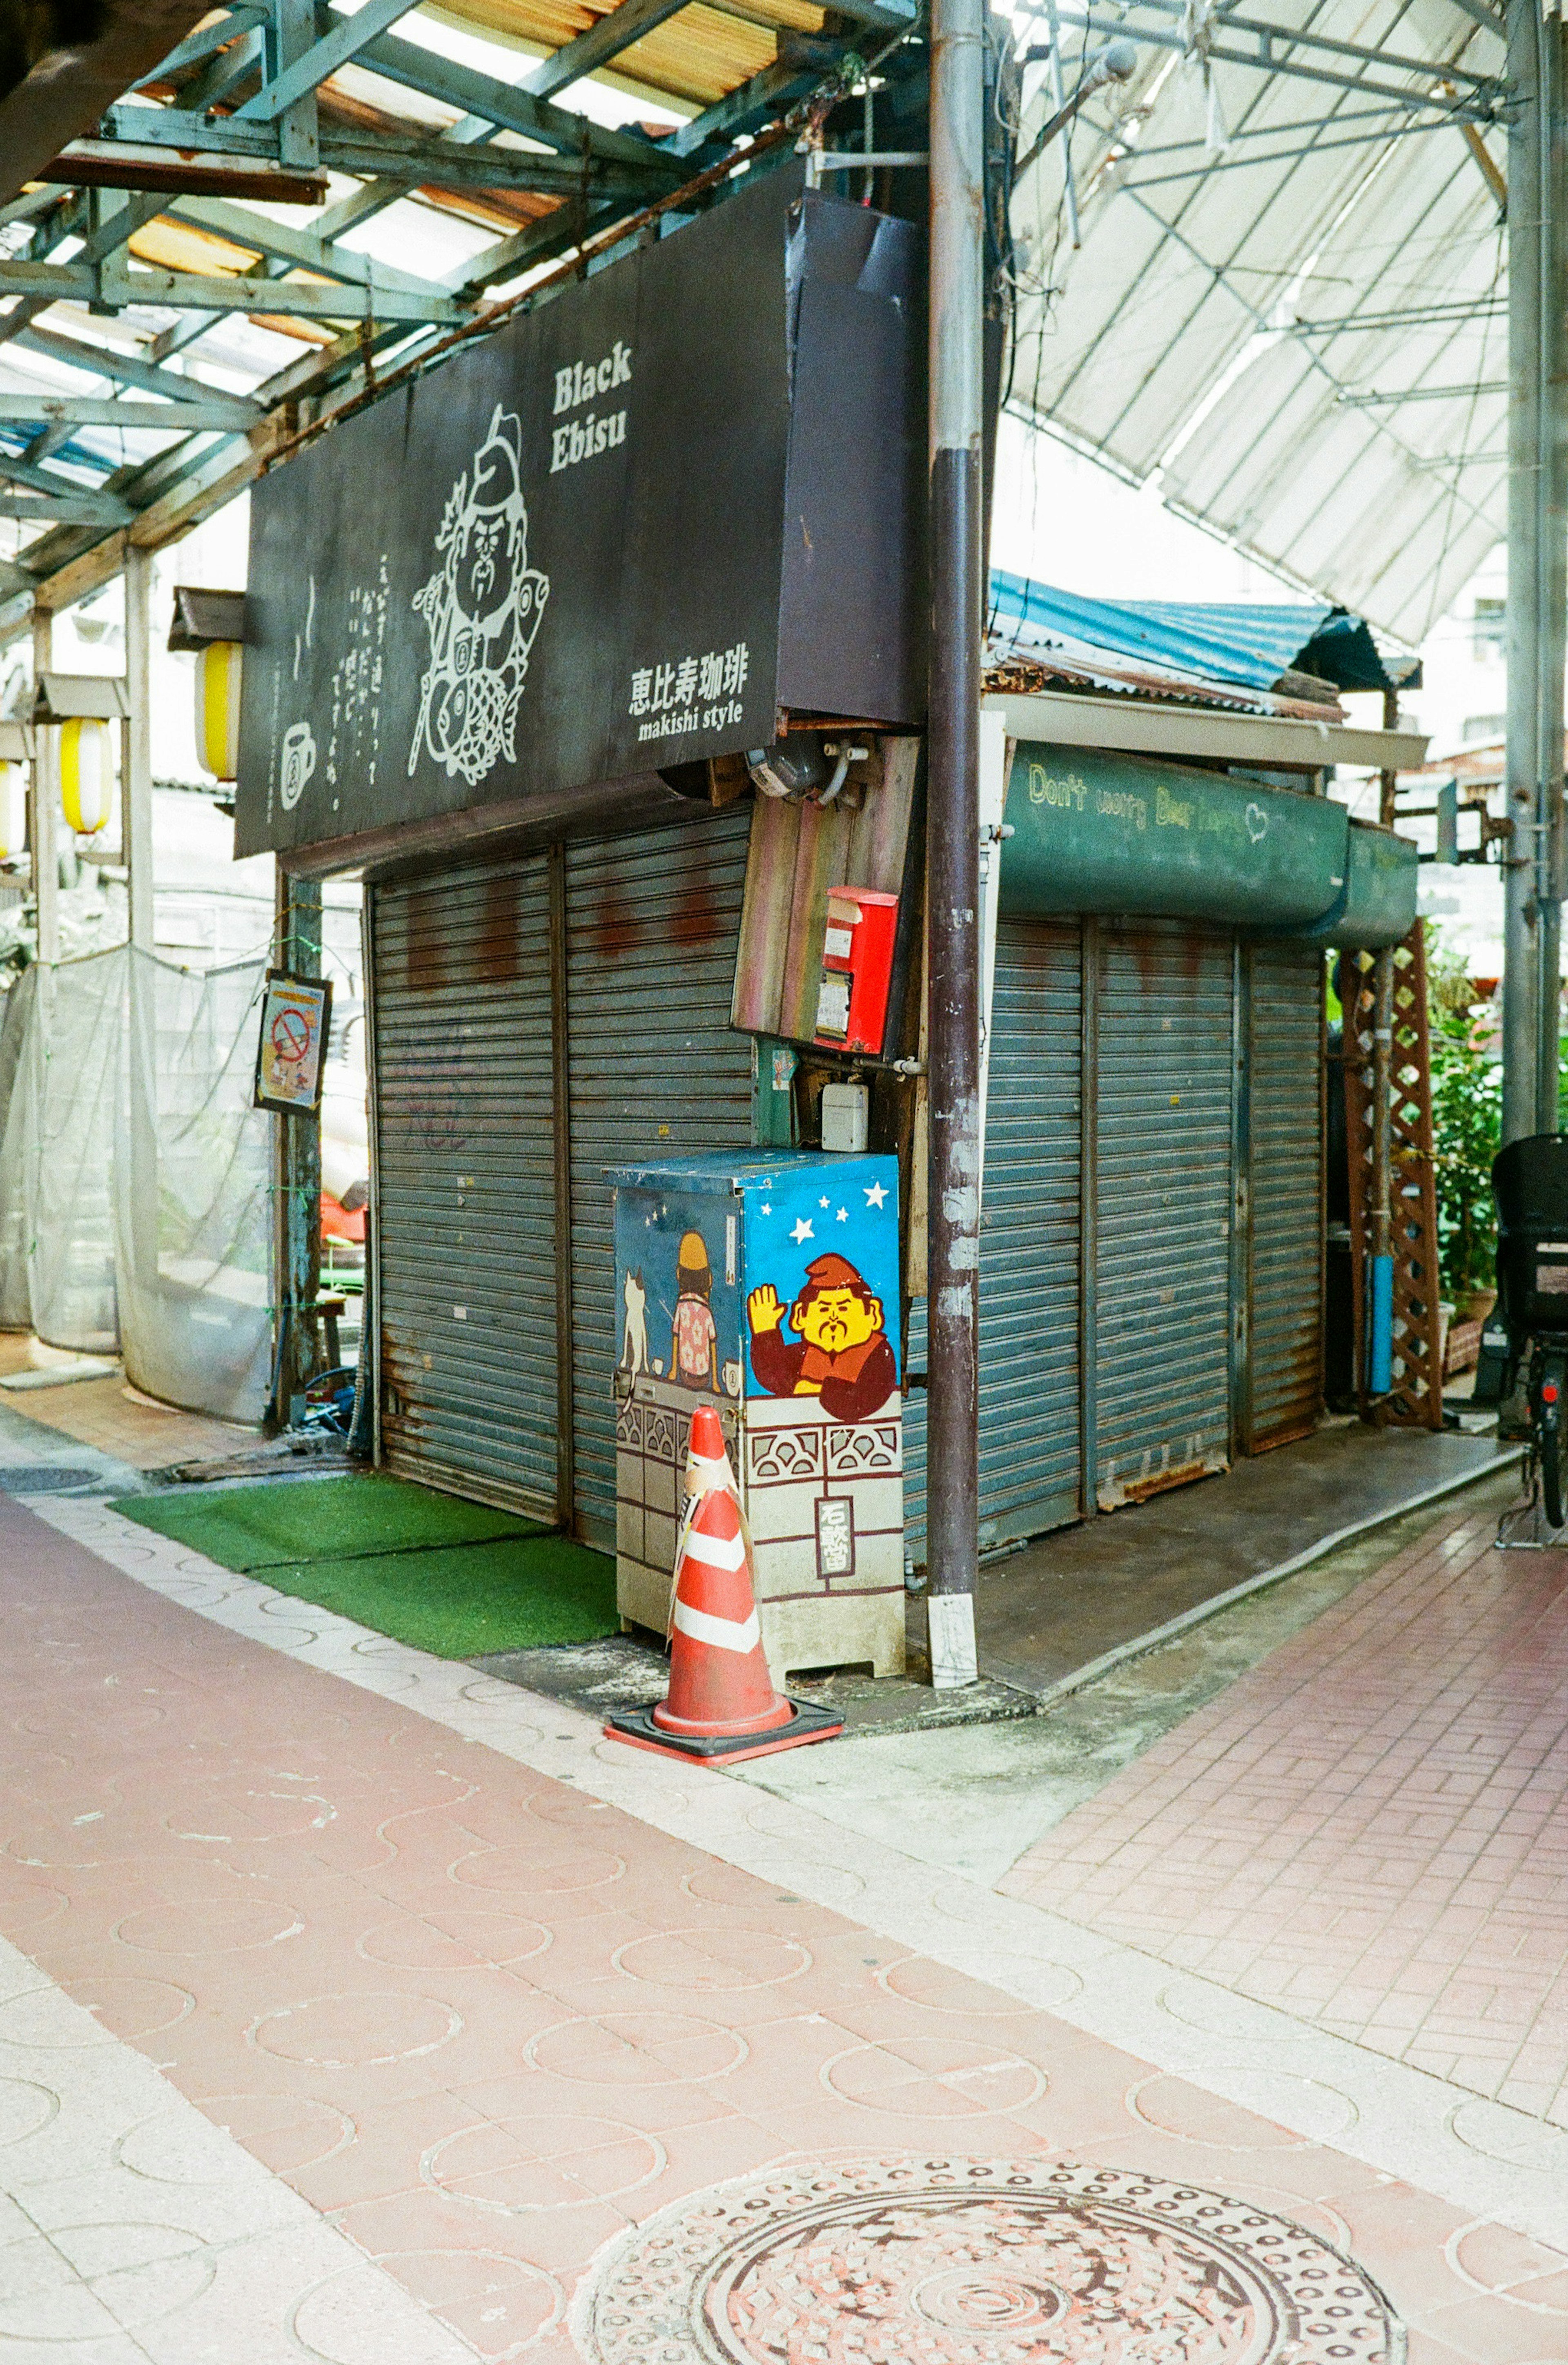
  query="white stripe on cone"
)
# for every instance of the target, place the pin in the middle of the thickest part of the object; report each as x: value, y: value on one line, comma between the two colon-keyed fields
x: 720, y: 1633
x: 726, y: 1553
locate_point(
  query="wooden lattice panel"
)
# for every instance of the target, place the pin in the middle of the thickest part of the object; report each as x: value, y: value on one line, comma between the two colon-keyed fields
x: 1415, y: 1399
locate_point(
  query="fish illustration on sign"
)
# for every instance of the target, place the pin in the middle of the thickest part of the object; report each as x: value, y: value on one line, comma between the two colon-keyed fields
x: 482, y: 608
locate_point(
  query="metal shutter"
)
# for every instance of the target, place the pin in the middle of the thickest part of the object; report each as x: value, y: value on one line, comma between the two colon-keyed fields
x: 652, y: 926
x: 1162, y: 1194
x: 465, y: 1118
x: 1029, y: 1430
x: 1284, y: 1135
x: 1029, y: 1235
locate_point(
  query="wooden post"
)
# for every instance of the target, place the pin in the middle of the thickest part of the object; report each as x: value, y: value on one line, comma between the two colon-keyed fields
x: 1388, y: 782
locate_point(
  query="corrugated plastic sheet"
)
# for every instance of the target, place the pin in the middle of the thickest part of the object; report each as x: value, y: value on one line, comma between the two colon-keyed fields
x: 1252, y: 647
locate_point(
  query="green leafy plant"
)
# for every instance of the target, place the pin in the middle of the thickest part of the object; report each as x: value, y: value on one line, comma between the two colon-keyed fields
x: 1467, y: 1108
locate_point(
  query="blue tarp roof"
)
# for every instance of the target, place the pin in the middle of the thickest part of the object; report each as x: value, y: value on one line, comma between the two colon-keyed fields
x: 1218, y: 640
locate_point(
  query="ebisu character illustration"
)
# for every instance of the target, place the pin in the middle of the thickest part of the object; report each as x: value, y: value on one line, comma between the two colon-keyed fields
x: 481, y: 608
x: 842, y: 1353
x: 694, y: 1334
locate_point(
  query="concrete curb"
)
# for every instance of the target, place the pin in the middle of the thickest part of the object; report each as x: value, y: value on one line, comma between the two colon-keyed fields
x: 1142, y: 1644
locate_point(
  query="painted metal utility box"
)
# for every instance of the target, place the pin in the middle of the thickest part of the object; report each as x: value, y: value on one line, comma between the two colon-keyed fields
x: 766, y: 1283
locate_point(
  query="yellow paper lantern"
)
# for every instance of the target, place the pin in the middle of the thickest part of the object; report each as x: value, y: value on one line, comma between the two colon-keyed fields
x: 86, y: 774
x: 217, y: 709
x: 13, y: 811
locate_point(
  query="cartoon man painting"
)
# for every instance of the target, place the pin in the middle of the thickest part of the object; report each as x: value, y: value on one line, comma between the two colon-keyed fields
x: 842, y: 1355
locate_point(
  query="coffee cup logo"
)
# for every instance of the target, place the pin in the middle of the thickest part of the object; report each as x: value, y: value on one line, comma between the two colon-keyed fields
x: 299, y: 763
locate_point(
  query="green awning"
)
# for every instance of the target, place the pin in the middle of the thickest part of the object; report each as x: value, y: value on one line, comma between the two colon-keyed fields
x: 1094, y: 832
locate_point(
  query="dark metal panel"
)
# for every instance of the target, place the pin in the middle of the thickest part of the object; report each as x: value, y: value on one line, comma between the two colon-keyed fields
x: 464, y: 1114
x: 1285, y: 1139
x: 578, y: 577
x: 1029, y: 1249
x: 656, y: 1069
x: 851, y: 636
x: 1163, y: 1207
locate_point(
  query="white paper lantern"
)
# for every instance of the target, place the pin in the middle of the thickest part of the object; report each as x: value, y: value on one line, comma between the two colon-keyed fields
x: 86, y: 774
x: 217, y: 709
x: 13, y: 811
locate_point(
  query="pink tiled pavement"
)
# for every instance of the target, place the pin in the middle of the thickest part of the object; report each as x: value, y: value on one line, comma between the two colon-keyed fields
x: 1370, y: 1829
x: 484, y: 2022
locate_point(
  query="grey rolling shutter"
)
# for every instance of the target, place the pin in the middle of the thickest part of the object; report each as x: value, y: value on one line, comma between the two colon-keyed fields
x: 1029, y: 1235
x: 1162, y: 1205
x: 1029, y: 1432
x: 652, y: 924
x: 1285, y: 1173
x: 464, y: 1117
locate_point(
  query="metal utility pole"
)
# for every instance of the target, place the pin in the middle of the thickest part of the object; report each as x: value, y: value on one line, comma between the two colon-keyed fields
x: 136, y: 747
x: 43, y: 832
x: 1538, y: 551
x: 958, y: 564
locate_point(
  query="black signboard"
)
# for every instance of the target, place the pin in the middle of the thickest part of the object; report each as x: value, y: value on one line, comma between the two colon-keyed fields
x: 559, y: 558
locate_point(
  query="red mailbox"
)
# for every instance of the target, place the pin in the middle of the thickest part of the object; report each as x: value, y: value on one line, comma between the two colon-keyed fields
x: 858, y: 960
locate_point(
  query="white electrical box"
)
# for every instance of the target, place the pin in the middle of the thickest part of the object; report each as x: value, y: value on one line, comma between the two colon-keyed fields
x: 847, y: 1113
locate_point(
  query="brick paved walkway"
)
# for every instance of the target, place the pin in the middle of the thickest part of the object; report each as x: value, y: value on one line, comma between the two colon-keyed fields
x: 1370, y: 1829
x: 486, y: 2023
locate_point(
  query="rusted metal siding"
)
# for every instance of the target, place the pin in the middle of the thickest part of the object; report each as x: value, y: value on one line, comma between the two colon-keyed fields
x: 1285, y: 1176
x: 654, y: 1067
x: 464, y: 1160
x: 1164, y: 1110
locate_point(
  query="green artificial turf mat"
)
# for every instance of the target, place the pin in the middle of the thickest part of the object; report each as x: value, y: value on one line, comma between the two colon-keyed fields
x: 513, y: 1596
x: 285, y: 1520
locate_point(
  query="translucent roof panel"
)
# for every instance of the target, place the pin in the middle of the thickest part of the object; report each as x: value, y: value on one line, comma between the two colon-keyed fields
x: 1287, y: 306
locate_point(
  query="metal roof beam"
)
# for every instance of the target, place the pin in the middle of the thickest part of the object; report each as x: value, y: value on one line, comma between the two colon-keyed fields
x: 224, y: 74
x: 349, y: 36
x: 303, y: 246
x: 1374, y: 399
x: 1483, y: 107
x: 446, y: 163
x: 1292, y: 36
x: 801, y: 61
x: 198, y: 47
x: 125, y: 369
x: 604, y: 39
x: 65, y: 509
x: 68, y: 410
x: 1425, y: 315
x: 190, y: 291
x: 1224, y: 164
x: 510, y: 107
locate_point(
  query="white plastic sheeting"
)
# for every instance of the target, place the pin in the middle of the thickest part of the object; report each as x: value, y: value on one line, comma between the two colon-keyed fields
x: 1188, y: 339
x: 134, y: 1174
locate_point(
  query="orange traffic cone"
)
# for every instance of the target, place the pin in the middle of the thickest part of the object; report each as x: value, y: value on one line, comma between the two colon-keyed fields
x: 722, y: 1703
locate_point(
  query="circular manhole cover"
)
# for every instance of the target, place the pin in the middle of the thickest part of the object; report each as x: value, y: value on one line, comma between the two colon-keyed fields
x: 992, y: 2262
x: 45, y: 1478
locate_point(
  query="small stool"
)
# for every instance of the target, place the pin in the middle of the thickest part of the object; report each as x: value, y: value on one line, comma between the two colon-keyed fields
x: 328, y: 1312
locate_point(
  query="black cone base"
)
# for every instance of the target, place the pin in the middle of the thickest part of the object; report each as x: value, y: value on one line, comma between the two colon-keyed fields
x: 637, y: 1726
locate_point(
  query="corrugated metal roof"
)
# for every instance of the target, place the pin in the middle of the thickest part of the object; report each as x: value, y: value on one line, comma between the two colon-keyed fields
x: 1269, y: 331
x: 1252, y: 647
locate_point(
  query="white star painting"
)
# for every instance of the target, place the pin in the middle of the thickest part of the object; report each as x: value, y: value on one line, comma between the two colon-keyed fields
x: 875, y: 1193
x: 801, y: 1229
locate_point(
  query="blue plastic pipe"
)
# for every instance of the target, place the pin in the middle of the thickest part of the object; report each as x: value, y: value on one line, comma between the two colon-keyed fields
x: 1379, y: 1327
